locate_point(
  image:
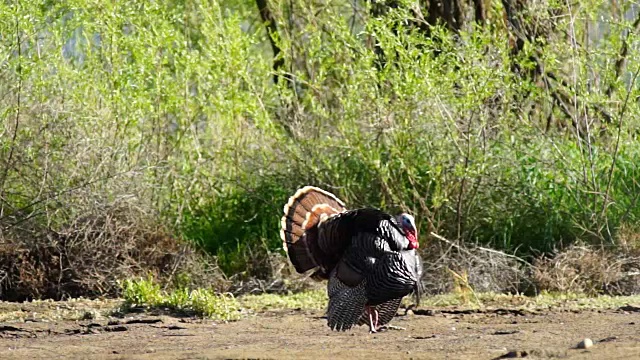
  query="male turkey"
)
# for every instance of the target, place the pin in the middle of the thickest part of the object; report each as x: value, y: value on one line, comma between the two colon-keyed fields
x: 368, y: 256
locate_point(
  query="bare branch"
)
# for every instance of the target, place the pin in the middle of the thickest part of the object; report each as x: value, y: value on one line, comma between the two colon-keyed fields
x: 8, y: 165
x: 615, y: 151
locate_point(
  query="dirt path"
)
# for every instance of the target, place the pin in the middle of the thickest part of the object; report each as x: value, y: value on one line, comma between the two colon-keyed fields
x: 304, y: 334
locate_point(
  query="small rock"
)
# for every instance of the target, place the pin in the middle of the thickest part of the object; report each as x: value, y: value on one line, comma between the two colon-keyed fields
x: 506, y: 332
x: 116, y: 328
x: 175, y: 327
x: 631, y: 308
x: 143, y: 321
x: 585, y: 344
x: 432, y: 312
x: 514, y: 354
x: 610, y: 338
x: 409, y: 312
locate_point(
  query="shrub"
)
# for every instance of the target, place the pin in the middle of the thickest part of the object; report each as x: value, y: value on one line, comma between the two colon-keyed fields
x: 89, y: 256
x: 588, y: 270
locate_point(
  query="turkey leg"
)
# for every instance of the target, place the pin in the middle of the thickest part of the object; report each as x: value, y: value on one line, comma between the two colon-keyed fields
x: 373, y: 319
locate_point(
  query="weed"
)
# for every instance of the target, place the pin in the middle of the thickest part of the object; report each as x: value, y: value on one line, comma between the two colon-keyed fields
x: 461, y: 286
x: 143, y: 291
x: 203, y: 302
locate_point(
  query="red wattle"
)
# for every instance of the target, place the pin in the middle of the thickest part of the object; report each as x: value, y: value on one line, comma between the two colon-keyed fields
x: 413, y: 241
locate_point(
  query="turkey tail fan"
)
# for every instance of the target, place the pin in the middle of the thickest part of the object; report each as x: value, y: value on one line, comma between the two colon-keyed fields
x: 307, y: 208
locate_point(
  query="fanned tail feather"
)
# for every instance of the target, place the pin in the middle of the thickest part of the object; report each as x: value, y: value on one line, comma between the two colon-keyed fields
x: 307, y: 208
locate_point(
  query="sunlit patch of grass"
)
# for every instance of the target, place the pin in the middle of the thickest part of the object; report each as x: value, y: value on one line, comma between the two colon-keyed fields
x: 582, y: 301
x: 568, y: 301
x: 206, y: 303
x: 203, y: 302
x: 308, y: 300
x: 142, y: 292
x: 317, y: 300
x: 49, y: 310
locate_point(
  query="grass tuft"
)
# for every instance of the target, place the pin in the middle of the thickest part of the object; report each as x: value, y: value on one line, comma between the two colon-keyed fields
x: 202, y: 302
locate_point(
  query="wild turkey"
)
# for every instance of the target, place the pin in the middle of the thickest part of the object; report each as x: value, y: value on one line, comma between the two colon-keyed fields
x: 368, y: 256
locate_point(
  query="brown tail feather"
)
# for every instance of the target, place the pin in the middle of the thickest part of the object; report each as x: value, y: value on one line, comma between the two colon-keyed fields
x: 308, y: 207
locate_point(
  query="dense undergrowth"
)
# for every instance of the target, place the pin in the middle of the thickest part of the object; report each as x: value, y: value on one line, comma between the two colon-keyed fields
x: 523, y: 140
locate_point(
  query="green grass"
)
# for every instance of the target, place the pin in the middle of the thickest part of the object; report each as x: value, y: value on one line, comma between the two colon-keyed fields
x: 202, y: 302
x: 98, y: 309
x: 307, y: 300
x: 544, y: 301
x: 144, y: 292
x: 147, y: 292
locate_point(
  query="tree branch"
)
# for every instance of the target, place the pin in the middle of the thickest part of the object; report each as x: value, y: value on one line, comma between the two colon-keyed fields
x: 272, y: 30
x: 617, y: 147
x: 621, y: 62
x: 8, y: 164
x: 513, y: 11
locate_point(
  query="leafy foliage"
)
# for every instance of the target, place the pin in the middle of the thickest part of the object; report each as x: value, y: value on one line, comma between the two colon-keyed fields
x: 172, y: 106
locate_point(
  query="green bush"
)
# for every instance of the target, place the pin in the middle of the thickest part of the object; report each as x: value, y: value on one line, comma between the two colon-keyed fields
x: 239, y: 226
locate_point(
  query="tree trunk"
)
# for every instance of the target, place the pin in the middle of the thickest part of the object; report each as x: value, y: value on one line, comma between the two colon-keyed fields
x: 272, y: 29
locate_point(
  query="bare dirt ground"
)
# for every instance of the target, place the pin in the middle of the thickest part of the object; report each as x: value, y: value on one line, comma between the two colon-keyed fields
x: 436, y: 333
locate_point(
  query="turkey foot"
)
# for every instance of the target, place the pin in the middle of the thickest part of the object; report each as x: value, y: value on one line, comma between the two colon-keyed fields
x: 390, y: 327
